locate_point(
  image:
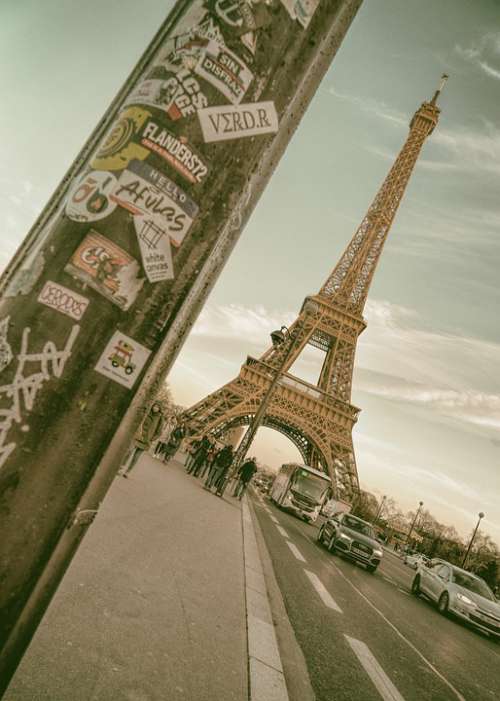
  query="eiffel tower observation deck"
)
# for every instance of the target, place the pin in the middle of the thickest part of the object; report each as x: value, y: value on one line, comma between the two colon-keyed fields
x: 319, y: 418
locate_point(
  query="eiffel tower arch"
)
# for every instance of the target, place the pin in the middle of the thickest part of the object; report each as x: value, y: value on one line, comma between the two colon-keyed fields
x: 319, y: 418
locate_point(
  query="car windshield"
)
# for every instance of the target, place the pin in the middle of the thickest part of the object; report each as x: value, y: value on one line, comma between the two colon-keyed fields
x: 310, y: 485
x: 359, y: 526
x: 472, y: 584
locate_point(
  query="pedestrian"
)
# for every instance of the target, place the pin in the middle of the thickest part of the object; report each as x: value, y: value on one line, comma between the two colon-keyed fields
x: 212, y: 452
x: 221, y: 464
x: 200, y: 456
x: 191, y: 452
x: 174, y: 442
x: 147, y: 432
x: 245, y: 474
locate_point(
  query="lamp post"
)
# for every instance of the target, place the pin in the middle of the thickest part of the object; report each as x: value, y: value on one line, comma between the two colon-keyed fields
x: 420, y: 504
x: 380, y: 507
x: 279, y: 337
x: 464, y: 561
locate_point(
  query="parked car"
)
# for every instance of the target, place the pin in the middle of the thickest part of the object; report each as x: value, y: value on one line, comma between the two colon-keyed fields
x: 351, y: 536
x: 459, y: 592
x: 415, y: 560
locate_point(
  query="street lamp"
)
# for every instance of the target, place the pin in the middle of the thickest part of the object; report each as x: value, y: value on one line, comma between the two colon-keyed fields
x: 380, y: 507
x: 279, y: 338
x: 420, y: 504
x: 481, y: 515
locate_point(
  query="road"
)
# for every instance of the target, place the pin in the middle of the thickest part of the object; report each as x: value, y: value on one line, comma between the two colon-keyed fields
x: 364, y: 636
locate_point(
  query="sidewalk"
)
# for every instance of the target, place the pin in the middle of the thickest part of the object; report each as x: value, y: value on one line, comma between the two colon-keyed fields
x: 153, y: 606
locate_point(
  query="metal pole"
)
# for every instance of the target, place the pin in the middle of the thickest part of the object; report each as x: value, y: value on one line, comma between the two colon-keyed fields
x: 379, y: 510
x: 247, y: 439
x: 100, y: 298
x: 464, y: 561
x: 420, y: 504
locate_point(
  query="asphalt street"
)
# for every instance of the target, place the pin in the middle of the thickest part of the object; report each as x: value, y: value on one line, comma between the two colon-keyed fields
x: 364, y: 636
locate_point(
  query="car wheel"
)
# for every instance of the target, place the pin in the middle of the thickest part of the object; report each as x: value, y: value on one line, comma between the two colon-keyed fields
x: 415, y: 587
x: 372, y: 568
x: 443, y: 603
x: 331, y: 544
x: 319, y: 537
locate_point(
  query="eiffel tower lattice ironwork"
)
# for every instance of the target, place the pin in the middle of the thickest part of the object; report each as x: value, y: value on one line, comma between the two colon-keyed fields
x: 319, y: 418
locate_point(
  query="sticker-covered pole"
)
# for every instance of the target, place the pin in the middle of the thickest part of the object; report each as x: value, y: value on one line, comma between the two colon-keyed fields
x: 99, y: 299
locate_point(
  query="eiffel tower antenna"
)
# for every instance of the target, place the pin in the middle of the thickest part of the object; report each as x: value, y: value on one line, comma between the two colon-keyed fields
x: 319, y: 418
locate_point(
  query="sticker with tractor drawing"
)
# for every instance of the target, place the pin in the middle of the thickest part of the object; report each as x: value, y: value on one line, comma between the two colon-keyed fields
x: 122, y: 360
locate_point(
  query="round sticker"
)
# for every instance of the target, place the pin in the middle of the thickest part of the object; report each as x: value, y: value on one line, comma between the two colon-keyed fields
x: 89, y: 199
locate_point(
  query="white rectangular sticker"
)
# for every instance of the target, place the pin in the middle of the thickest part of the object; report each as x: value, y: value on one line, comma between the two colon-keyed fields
x: 145, y: 191
x: 156, y: 252
x: 225, y: 71
x: 122, y: 360
x: 236, y: 121
x: 301, y: 10
x: 63, y: 300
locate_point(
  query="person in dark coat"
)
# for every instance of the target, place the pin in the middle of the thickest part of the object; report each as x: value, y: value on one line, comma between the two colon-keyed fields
x: 174, y: 442
x: 147, y: 432
x: 212, y: 452
x: 200, y: 456
x: 220, y: 466
x: 245, y: 474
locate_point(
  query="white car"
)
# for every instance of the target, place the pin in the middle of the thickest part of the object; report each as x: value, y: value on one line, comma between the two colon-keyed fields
x: 415, y: 560
x: 461, y: 593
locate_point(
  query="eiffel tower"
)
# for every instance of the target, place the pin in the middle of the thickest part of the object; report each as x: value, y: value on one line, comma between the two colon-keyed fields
x: 319, y: 418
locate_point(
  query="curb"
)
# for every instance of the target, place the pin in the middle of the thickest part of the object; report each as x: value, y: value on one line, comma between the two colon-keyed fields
x: 265, y: 669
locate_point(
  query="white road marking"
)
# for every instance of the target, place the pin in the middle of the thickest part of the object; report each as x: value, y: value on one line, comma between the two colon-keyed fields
x: 322, y: 592
x: 384, y: 686
x: 296, y: 551
x: 396, y: 630
x: 389, y: 579
x: 403, y: 591
x: 282, y: 532
x: 274, y: 519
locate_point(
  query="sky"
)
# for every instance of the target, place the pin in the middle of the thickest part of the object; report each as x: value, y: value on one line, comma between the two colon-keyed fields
x: 427, y: 368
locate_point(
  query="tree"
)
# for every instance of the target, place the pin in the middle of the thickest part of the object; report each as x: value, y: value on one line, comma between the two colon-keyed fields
x: 365, y: 506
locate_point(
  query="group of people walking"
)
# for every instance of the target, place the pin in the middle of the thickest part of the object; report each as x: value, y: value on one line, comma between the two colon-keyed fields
x: 205, y: 459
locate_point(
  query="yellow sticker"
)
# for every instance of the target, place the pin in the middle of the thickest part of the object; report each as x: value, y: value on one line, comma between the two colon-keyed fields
x: 116, y: 152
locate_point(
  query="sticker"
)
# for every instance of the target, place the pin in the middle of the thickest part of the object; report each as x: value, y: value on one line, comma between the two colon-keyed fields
x: 236, y: 121
x: 63, y: 300
x: 116, y: 151
x: 156, y: 252
x: 240, y: 15
x: 122, y: 360
x: 301, y: 10
x: 106, y: 268
x: 178, y: 94
x: 195, y: 30
x: 88, y: 200
x: 145, y: 191
x: 225, y: 71
x: 175, y: 150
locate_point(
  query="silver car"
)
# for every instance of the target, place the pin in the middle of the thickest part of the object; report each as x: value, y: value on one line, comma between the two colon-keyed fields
x: 459, y: 592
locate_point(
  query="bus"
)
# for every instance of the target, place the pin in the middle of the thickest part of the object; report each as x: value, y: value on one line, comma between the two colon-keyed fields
x: 301, y: 489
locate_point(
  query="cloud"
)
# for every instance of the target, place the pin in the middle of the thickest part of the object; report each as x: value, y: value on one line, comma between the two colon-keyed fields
x: 460, y: 149
x: 375, y: 107
x: 481, y: 54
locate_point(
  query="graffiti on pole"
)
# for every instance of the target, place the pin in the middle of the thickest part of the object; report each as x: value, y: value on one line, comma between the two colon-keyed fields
x: 21, y: 393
